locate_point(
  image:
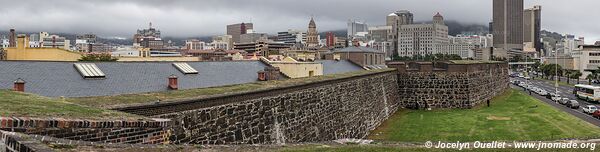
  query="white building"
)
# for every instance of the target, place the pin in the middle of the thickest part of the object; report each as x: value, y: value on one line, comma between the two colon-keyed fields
x: 354, y: 27
x: 195, y: 44
x: 422, y: 39
x: 292, y: 36
x: 586, y: 57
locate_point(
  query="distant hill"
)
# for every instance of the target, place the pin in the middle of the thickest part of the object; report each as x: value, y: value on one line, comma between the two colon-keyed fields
x: 455, y: 28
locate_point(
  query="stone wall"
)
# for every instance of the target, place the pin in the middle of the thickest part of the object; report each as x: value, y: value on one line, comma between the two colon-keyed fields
x: 155, y: 131
x: 341, y: 108
x: 446, y: 85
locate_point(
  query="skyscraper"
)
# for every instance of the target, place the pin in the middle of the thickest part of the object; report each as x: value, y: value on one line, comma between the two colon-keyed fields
x: 532, y: 20
x: 508, y: 24
x: 312, y: 39
x: 396, y: 20
x: 235, y: 30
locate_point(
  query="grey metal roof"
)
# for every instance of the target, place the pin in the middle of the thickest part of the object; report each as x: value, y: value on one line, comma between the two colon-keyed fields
x: 358, y: 49
x: 56, y: 79
x: 335, y: 67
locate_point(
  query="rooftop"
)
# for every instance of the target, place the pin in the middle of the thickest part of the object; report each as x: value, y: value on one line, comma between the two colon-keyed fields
x: 55, y: 79
x: 357, y: 49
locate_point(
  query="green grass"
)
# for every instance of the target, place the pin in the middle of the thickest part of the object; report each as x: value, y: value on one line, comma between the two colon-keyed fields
x: 128, y: 99
x: 29, y: 105
x: 512, y: 116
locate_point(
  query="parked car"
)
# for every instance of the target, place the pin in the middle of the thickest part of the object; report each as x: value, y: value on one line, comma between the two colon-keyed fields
x: 589, y: 109
x: 556, y: 98
x: 596, y: 114
x: 543, y: 93
x: 564, y: 101
x: 573, y: 104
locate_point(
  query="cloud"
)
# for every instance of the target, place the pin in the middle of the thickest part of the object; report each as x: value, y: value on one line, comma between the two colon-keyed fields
x: 187, y: 18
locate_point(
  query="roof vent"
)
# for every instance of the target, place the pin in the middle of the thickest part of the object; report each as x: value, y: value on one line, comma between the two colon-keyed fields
x: 89, y: 70
x: 185, y: 68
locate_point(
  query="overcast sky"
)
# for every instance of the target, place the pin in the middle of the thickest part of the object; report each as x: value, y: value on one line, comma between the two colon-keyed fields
x: 189, y: 18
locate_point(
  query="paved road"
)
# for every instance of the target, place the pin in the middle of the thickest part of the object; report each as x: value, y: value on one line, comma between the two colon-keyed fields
x: 565, y: 92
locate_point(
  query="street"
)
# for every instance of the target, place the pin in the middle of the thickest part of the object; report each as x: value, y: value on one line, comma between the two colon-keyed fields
x: 565, y: 92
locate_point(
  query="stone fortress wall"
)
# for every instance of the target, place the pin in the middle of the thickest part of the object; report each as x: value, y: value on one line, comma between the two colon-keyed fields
x: 332, y: 109
x: 347, y: 108
x: 425, y: 85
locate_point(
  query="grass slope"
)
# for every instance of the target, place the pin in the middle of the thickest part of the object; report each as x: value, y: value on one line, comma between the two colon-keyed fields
x: 29, y: 105
x: 512, y: 116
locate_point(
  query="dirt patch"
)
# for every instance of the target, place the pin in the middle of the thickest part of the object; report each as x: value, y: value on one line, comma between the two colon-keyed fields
x: 497, y: 118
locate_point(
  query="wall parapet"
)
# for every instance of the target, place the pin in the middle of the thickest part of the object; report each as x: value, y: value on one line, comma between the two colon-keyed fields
x: 215, y: 100
x: 425, y: 85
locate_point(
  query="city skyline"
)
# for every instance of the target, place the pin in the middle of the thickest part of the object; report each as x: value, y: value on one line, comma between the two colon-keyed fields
x: 207, y: 18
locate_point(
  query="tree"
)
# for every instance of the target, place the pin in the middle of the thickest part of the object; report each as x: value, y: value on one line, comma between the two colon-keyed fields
x: 591, y: 77
x: 568, y: 75
x: 104, y: 57
x: 575, y: 74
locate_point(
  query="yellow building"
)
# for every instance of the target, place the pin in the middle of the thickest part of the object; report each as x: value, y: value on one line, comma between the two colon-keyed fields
x: 295, y: 69
x: 24, y: 52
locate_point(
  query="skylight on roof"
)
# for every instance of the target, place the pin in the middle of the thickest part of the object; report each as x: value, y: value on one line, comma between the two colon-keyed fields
x: 185, y: 68
x: 89, y: 70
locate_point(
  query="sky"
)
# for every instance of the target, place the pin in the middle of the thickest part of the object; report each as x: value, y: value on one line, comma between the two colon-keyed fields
x: 192, y: 18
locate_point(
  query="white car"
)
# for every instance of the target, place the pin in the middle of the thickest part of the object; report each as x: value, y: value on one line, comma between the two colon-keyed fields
x: 589, y: 109
x: 564, y: 101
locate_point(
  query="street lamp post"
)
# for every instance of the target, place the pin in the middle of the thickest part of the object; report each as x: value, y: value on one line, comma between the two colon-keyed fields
x: 556, y: 71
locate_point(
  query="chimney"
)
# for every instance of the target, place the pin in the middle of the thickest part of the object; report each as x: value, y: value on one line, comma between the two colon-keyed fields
x: 12, y: 40
x: 173, y: 82
x: 262, y: 75
x: 19, y: 85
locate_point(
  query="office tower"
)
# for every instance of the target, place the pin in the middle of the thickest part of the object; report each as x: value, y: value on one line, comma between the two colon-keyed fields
x: 532, y: 26
x: 396, y: 20
x: 508, y: 24
x: 235, y: 30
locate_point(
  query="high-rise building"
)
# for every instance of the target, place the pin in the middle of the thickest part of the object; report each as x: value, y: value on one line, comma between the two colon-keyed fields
x: 355, y: 27
x: 396, y: 20
x: 312, y: 38
x: 532, y: 20
x: 236, y: 30
x: 423, y: 39
x: 508, y: 24
x: 379, y: 40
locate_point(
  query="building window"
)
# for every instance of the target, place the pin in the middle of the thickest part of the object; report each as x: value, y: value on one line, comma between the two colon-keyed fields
x: 594, y: 61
